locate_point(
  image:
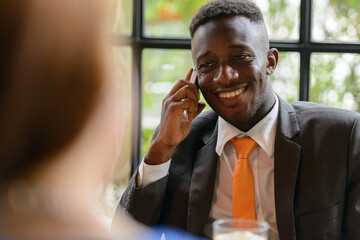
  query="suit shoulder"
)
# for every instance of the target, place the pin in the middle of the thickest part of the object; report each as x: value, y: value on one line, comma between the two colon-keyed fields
x: 204, y: 119
x: 203, y: 126
x: 316, y: 110
x: 314, y: 117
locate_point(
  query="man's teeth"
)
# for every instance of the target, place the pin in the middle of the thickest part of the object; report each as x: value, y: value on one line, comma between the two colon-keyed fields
x: 230, y: 94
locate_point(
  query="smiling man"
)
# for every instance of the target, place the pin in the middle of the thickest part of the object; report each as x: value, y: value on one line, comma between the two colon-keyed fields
x: 302, y: 174
x: 234, y: 77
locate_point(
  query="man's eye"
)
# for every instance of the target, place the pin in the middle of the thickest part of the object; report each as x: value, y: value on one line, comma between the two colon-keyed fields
x: 205, y: 65
x: 241, y: 57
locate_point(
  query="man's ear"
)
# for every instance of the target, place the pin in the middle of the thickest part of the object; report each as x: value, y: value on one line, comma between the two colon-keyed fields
x: 272, y: 60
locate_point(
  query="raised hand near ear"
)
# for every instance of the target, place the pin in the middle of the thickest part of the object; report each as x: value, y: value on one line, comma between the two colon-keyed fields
x: 174, y: 124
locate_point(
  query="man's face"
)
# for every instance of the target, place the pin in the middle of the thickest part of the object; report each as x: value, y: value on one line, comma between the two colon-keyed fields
x: 230, y: 55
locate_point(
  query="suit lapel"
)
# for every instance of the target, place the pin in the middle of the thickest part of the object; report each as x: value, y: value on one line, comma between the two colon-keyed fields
x: 287, y: 157
x: 202, y: 184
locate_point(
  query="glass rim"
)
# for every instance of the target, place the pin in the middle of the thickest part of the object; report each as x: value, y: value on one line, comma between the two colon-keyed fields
x: 261, y: 225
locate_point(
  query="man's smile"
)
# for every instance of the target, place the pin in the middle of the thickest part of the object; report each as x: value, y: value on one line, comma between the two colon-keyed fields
x: 231, y: 97
x: 231, y: 94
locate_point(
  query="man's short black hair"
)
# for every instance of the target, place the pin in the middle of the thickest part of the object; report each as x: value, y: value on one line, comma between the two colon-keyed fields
x: 225, y: 8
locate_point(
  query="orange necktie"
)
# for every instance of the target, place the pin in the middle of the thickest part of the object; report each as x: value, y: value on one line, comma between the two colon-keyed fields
x: 243, y: 180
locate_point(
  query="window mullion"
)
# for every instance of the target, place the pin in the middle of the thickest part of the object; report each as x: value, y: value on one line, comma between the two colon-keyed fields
x: 136, y: 83
x: 305, y: 41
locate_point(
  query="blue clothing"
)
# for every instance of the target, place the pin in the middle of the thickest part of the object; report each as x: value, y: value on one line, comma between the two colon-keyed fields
x: 154, y: 233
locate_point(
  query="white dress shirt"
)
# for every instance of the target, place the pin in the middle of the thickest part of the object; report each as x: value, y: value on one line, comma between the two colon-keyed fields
x: 262, y: 163
x: 261, y: 160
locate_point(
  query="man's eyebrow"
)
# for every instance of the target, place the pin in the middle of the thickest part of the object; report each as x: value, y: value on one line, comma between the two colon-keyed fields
x: 203, y: 55
x: 237, y: 46
x: 234, y: 46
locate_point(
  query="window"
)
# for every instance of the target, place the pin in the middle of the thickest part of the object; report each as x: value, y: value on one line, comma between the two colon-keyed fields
x: 318, y: 43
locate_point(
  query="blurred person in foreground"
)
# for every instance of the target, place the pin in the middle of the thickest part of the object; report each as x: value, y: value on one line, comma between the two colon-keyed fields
x: 304, y: 175
x: 61, y: 121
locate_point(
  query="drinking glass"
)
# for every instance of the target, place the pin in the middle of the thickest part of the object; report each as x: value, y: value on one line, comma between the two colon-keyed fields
x: 240, y: 229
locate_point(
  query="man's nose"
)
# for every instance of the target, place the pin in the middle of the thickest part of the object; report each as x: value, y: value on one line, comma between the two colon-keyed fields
x: 226, y: 75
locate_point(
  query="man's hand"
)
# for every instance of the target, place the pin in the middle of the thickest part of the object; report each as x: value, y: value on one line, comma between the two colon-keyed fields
x: 174, y: 125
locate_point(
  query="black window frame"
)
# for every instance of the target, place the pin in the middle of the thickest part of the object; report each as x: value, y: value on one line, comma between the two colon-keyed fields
x: 138, y: 42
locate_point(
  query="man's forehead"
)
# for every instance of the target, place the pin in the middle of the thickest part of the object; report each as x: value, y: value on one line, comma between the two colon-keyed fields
x: 233, y: 22
x: 239, y: 28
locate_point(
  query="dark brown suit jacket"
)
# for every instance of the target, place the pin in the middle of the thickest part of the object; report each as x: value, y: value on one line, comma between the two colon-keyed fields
x: 317, y: 176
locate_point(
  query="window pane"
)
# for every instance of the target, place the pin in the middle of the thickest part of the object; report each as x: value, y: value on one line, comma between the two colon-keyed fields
x: 121, y: 16
x: 335, y: 80
x: 281, y: 18
x: 122, y: 58
x: 285, y: 79
x: 336, y: 20
x: 161, y: 69
x: 168, y: 18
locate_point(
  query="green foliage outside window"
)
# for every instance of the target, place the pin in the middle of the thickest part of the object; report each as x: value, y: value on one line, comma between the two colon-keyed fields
x: 335, y: 80
x: 281, y: 18
x: 165, y: 18
x: 336, y: 20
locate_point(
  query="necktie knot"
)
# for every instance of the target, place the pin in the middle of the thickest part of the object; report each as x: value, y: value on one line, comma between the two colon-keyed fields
x: 243, y: 147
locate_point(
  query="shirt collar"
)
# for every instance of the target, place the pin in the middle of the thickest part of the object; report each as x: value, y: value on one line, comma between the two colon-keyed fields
x: 263, y: 132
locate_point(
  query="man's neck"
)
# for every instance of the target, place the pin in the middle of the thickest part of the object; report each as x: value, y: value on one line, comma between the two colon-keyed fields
x: 263, y: 111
